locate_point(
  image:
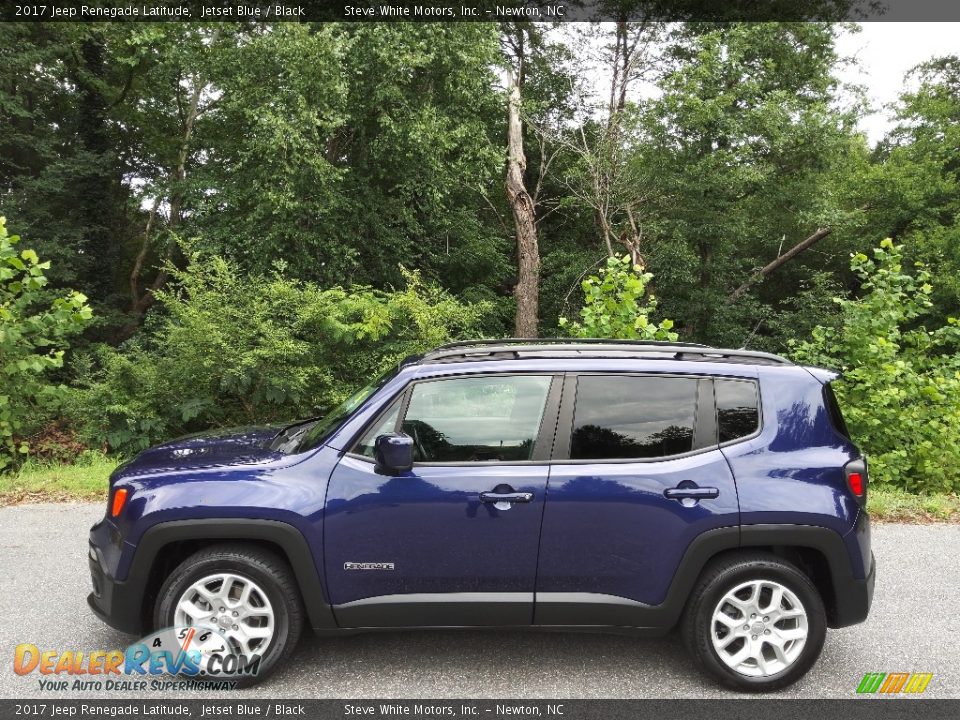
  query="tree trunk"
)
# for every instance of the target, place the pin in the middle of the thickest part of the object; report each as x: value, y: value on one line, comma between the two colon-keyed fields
x: 785, y: 258
x: 141, y: 257
x: 142, y: 301
x: 527, y: 289
x: 95, y: 201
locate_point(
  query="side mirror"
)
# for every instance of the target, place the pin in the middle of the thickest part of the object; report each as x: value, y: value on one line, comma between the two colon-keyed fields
x: 393, y: 453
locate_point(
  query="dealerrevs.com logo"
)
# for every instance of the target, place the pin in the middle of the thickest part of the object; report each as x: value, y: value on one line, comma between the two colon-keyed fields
x: 894, y: 683
x: 196, y: 656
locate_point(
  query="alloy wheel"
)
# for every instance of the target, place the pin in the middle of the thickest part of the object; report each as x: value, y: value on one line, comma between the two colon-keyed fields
x: 233, y: 605
x: 759, y: 628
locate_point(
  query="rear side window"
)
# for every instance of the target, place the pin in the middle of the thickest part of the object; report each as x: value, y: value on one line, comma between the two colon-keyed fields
x: 833, y: 407
x: 622, y: 417
x: 738, y: 411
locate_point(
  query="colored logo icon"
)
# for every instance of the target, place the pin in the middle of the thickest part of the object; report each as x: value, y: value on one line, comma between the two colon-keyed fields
x: 894, y: 683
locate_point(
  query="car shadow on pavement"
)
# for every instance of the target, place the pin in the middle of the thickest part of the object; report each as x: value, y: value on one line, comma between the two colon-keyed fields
x: 489, y: 663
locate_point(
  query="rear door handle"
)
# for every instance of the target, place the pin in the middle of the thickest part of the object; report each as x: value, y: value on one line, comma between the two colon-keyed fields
x: 507, y: 497
x: 691, y: 493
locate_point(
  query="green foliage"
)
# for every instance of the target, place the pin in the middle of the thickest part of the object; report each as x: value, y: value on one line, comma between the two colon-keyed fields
x: 900, y: 389
x: 32, y: 339
x: 912, y: 191
x: 365, y: 161
x: 744, y: 150
x: 616, y: 305
x: 224, y: 348
x: 57, y: 86
x: 345, y: 151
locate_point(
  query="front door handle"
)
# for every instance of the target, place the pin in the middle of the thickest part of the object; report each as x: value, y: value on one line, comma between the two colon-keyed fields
x: 691, y: 493
x: 506, y: 497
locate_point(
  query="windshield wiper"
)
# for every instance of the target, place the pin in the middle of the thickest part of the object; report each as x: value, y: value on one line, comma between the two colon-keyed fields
x: 287, y: 439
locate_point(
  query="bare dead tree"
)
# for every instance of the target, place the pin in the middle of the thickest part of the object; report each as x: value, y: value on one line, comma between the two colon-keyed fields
x: 629, y: 60
x: 522, y: 204
x: 606, y: 181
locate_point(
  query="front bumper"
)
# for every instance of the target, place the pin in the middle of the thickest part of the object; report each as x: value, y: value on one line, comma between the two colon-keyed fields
x: 114, y: 602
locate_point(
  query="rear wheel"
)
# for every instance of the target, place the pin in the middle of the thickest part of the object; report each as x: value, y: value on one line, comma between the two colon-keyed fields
x: 247, y: 596
x: 755, y: 622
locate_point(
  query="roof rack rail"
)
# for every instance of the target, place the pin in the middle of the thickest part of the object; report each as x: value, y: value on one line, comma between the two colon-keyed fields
x: 560, y: 340
x: 466, y: 349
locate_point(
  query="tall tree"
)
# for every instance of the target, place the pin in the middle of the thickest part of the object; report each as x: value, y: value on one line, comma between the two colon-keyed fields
x: 345, y: 151
x: 172, y: 93
x: 61, y: 168
x: 913, y: 190
x: 518, y: 39
x: 748, y: 143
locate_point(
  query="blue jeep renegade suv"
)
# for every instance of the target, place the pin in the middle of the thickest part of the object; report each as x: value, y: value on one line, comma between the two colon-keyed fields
x: 592, y: 485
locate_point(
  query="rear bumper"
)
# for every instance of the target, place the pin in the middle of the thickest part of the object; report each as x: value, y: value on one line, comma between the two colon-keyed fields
x: 113, y: 602
x: 847, y: 580
x: 853, y: 598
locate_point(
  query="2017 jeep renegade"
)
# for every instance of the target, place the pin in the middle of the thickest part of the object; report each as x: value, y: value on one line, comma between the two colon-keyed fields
x: 604, y: 485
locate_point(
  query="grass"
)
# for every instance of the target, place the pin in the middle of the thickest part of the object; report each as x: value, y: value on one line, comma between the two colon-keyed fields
x: 87, y: 480
x: 889, y: 505
x: 45, y: 482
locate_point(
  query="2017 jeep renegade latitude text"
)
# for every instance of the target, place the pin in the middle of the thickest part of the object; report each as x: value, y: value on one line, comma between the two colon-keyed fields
x: 615, y: 486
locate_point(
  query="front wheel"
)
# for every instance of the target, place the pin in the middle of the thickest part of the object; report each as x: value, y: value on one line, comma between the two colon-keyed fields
x: 247, y: 596
x: 755, y: 622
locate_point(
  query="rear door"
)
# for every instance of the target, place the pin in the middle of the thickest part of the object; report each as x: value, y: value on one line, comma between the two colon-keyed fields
x: 637, y: 475
x: 453, y: 541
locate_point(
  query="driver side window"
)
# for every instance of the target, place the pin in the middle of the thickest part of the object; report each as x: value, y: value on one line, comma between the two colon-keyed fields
x: 476, y: 419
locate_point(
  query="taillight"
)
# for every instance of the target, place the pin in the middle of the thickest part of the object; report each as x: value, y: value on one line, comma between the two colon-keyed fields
x: 855, y: 480
x: 856, y: 472
x: 119, y: 500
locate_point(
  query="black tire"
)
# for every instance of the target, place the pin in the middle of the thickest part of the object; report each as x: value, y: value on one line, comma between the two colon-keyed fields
x: 267, y: 569
x: 723, y: 576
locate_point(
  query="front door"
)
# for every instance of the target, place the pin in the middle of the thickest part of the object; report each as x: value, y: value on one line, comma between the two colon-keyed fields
x: 454, y: 541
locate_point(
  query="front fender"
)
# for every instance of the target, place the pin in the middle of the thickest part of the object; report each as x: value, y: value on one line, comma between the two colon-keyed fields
x: 121, y: 602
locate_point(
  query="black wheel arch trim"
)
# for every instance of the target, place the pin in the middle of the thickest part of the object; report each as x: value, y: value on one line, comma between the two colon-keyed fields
x: 123, y: 608
x: 850, y: 597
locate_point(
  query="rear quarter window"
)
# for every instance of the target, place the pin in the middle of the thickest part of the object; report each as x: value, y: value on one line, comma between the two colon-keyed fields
x: 738, y: 409
x: 833, y: 409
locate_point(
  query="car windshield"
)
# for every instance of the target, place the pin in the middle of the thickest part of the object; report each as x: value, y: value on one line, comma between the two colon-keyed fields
x: 315, y: 434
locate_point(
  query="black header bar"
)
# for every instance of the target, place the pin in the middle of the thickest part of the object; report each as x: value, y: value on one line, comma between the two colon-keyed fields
x: 548, y: 11
x: 222, y: 706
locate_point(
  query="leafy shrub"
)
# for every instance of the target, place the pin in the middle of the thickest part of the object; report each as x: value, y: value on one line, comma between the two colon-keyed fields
x: 224, y: 349
x: 56, y: 442
x: 33, y: 333
x: 616, y: 305
x: 900, y: 389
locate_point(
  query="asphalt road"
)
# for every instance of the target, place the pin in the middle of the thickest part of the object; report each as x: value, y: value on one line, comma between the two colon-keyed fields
x: 914, y: 627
